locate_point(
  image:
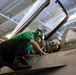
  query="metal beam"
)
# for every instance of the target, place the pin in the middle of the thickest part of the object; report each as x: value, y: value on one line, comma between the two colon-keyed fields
x: 2, y: 40
x: 70, y: 22
x: 12, y: 5
x: 59, y: 33
x: 30, y: 15
x: 8, y: 18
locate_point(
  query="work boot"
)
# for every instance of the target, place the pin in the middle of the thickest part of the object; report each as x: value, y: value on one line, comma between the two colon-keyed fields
x: 20, y: 63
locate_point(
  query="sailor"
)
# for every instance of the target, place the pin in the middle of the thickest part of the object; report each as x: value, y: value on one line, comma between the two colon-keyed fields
x: 12, y: 51
x: 55, y: 45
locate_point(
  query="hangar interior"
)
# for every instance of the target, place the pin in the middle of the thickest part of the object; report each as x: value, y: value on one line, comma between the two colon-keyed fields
x: 12, y: 11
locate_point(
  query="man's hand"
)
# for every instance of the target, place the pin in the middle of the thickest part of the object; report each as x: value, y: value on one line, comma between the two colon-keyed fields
x: 45, y: 53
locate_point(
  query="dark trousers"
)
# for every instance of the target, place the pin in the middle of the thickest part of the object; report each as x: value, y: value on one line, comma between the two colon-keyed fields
x: 10, y: 48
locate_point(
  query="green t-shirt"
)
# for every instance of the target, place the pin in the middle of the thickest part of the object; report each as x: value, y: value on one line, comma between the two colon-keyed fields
x: 28, y: 35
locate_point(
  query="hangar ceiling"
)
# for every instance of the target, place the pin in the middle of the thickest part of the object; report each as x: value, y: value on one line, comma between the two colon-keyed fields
x: 12, y: 11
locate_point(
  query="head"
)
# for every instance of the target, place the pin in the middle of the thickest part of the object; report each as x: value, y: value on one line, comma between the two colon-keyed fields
x: 55, y: 44
x: 37, y: 38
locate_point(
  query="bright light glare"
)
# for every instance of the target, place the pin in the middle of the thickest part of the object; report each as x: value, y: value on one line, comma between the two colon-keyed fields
x: 8, y: 36
x: 72, y: 17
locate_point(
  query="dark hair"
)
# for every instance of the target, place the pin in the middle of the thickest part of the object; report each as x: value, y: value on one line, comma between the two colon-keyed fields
x: 35, y: 36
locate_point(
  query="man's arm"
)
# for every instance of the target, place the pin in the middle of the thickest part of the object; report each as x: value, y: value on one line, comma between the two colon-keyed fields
x: 36, y: 46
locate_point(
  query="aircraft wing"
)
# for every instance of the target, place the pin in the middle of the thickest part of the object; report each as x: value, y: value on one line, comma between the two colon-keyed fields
x: 36, y: 71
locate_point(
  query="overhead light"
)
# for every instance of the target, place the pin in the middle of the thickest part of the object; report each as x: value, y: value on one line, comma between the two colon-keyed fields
x: 72, y: 2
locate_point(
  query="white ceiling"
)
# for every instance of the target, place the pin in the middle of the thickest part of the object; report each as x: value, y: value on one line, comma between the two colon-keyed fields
x: 12, y: 11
